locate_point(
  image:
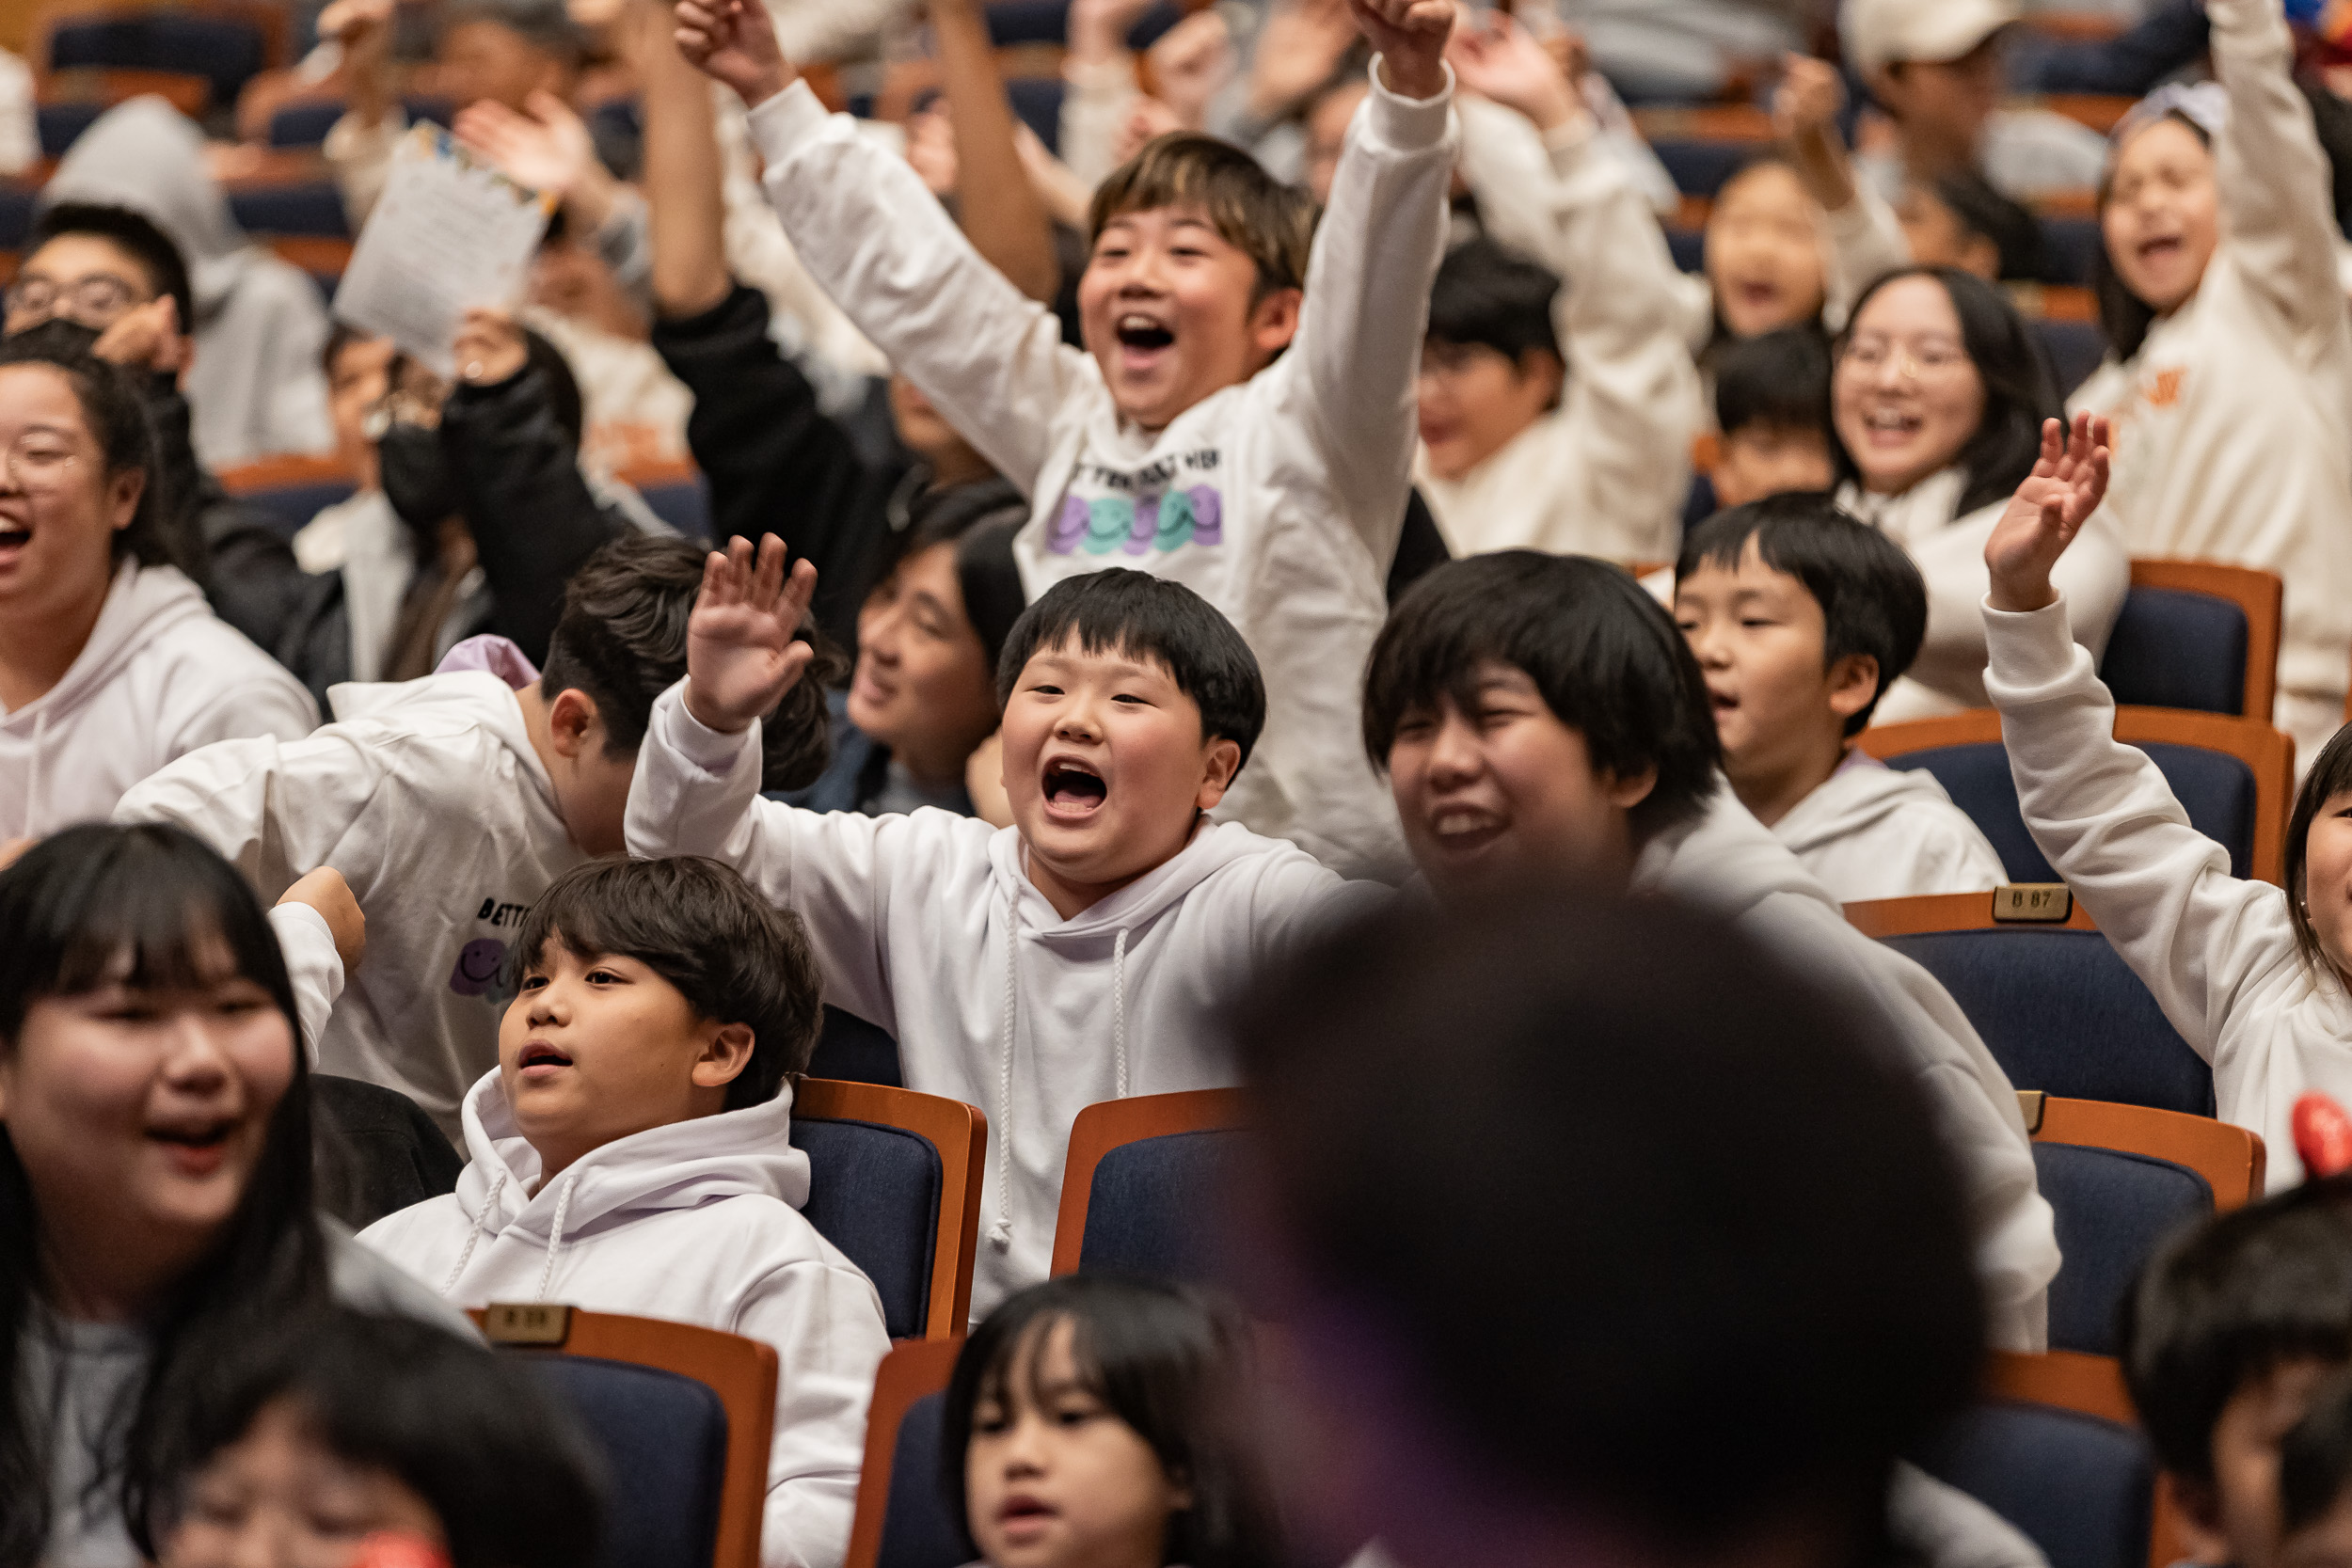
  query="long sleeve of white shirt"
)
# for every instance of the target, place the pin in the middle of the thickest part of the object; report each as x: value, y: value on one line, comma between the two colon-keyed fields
x: 2273, y: 178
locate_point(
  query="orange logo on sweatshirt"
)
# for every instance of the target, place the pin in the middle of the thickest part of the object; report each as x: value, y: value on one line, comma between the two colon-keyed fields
x: 2165, y: 391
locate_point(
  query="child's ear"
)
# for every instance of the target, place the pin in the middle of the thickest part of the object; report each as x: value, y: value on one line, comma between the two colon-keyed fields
x: 725, y: 1057
x: 1274, y: 320
x: 574, y: 726
x: 1219, y: 761
x: 1544, y: 368
x: 1853, y: 681
x: 2196, y: 1518
x: 1629, y: 790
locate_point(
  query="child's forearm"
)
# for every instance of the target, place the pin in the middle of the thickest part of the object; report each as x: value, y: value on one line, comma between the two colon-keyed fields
x: 1000, y: 209
x: 683, y: 180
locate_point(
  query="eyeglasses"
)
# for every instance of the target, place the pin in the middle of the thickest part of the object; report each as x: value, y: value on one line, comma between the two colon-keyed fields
x: 38, y: 463
x: 1930, y: 363
x: 92, y: 301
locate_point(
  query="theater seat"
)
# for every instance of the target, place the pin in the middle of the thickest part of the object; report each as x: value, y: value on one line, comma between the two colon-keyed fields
x: 903, y: 1519
x: 2196, y: 634
x: 2082, y: 1488
x: 1140, y: 1182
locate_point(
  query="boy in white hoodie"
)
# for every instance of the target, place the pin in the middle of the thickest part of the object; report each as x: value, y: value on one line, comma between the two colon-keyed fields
x: 450, y: 804
x: 632, y: 1153
x: 1540, y: 717
x: 1032, y: 970
x: 1800, y: 618
x: 1241, y: 420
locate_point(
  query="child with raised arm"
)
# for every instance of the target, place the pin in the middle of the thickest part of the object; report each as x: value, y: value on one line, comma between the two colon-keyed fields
x: 2254, y: 976
x: 1241, y: 420
x: 1033, y: 970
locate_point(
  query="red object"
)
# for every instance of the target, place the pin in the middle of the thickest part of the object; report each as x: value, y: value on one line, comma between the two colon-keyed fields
x: 390, y: 1549
x: 2323, y: 1134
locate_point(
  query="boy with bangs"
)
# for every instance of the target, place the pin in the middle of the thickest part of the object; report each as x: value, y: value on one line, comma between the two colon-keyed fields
x: 1034, y: 970
x: 1541, y: 717
x: 1242, y: 416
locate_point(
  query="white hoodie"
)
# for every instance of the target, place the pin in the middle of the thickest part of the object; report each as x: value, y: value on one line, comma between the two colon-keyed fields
x: 160, y: 677
x: 2233, y: 421
x: 928, y: 926
x: 2217, y: 954
x: 1948, y: 549
x: 1728, y: 863
x: 1278, y: 499
x: 696, y: 1222
x: 1874, y: 831
x: 429, y: 798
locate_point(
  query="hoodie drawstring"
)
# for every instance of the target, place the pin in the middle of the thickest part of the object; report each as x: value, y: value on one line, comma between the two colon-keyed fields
x: 555, y: 1235
x: 32, y: 777
x: 473, y: 1234
x: 1000, y: 1233
x: 1119, y: 1010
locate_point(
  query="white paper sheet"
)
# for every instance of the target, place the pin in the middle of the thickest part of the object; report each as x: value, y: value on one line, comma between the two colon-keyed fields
x: 449, y: 234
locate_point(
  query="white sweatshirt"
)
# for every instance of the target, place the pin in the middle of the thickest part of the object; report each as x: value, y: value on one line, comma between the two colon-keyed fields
x: 2234, y: 418
x: 1278, y: 499
x: 2217, y: 954
x: 928, y: 926
x: 160, y: 677
x: 1874, y: 831
x: 696, y: 1222
x: 429, y: 798
x: 1948, y: 549
x: 1604, y: 473
x: 1728, y: 863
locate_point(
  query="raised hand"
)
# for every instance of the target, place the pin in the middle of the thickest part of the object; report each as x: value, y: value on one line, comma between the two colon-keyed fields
x: 548, y: 149
x: 732, y: 41
x: 1502, y: 61
x: 488, y: 348
x: 1810, y: 97
x: 1409, y: 37
x: 1190, y: 65
x: 743, y: 649
x: 1300, y: 45
x: 146, y: 338
x: 2066, y: 486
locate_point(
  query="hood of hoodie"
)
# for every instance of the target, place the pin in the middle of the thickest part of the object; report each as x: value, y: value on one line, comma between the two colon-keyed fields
x: 1726, y: 862
x: 681, y: 1165
x: 146, y: 155
x: 1858, y: 793
x: 470, y: 697
x: 143, y: 603
x: 1213, y: 845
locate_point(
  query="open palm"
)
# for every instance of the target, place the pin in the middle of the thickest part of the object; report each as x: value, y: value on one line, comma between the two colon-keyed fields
x: 743, y: 649
x: 2066, y: 486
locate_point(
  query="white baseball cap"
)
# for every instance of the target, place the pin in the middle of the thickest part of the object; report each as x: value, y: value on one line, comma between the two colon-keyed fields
x: 1880, y: 33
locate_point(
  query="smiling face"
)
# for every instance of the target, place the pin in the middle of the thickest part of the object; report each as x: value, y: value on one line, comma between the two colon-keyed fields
x: 1106, y: 770
x: 140, y: 1114
x: 59, y: 509
x: 1905, y: 397
x: 598, y: 1046
x: 1170, y: 311
x: 1780, y: 707
x: 1052, y: 1478
x: 922, y: 686
x: 1763, y: 255
x: 1501, y: 791
x: 1473, y: 399
x: 2163, y: 213
x: 280, y: 1496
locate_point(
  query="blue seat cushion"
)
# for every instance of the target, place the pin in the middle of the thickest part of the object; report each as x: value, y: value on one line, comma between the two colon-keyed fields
x: 919, y: 1530
x: 59, y: 124
x: 685, y: 506
x: 16, y: 215
x: 2068, y: 248
x: 2112, y: 1209
x: 663, y: 1438
x: 2217, y: 792
x: 2173, y: 648
x: 1148, y: 1209
x: 2062, y: 1013
x: 874, y: 1192
x: 2079, y: 1487
x: 2073, y: 349
x: 303, y: 207
x: 1701, y: 167
x: 224, y: 51
x: 1036, y: 99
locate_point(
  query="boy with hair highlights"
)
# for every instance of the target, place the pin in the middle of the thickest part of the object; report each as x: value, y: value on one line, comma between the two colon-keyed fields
x: 1540, y: 717
x: 1800, y: 618
x: 1241, y: 420
x: 632, y: 1153
x: 1033, y: 970
x: 450, y: 803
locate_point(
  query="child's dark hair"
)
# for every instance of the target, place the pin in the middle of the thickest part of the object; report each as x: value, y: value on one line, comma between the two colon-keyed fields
x: 1490, y: 297
x: 117, y: 417
x: 2330, y: 776
x: 1687, y: 1335
x: 502, y: 1464
x: 1124, y: 611
x: 133, y: 233
x: 1779, y: 379
x: 622, y: 641
x: 1170, y: 1362
x: 1273, y: 224
x: 1981, y: 210
x: 2315, y: 1458
x: 1873, y: 597
x: 2124, y: 316
x: 2018, y: 395
x: 2227, y: 1301
x: 736, y: 958
x: 143, y: 906
x: 1609, y: 662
